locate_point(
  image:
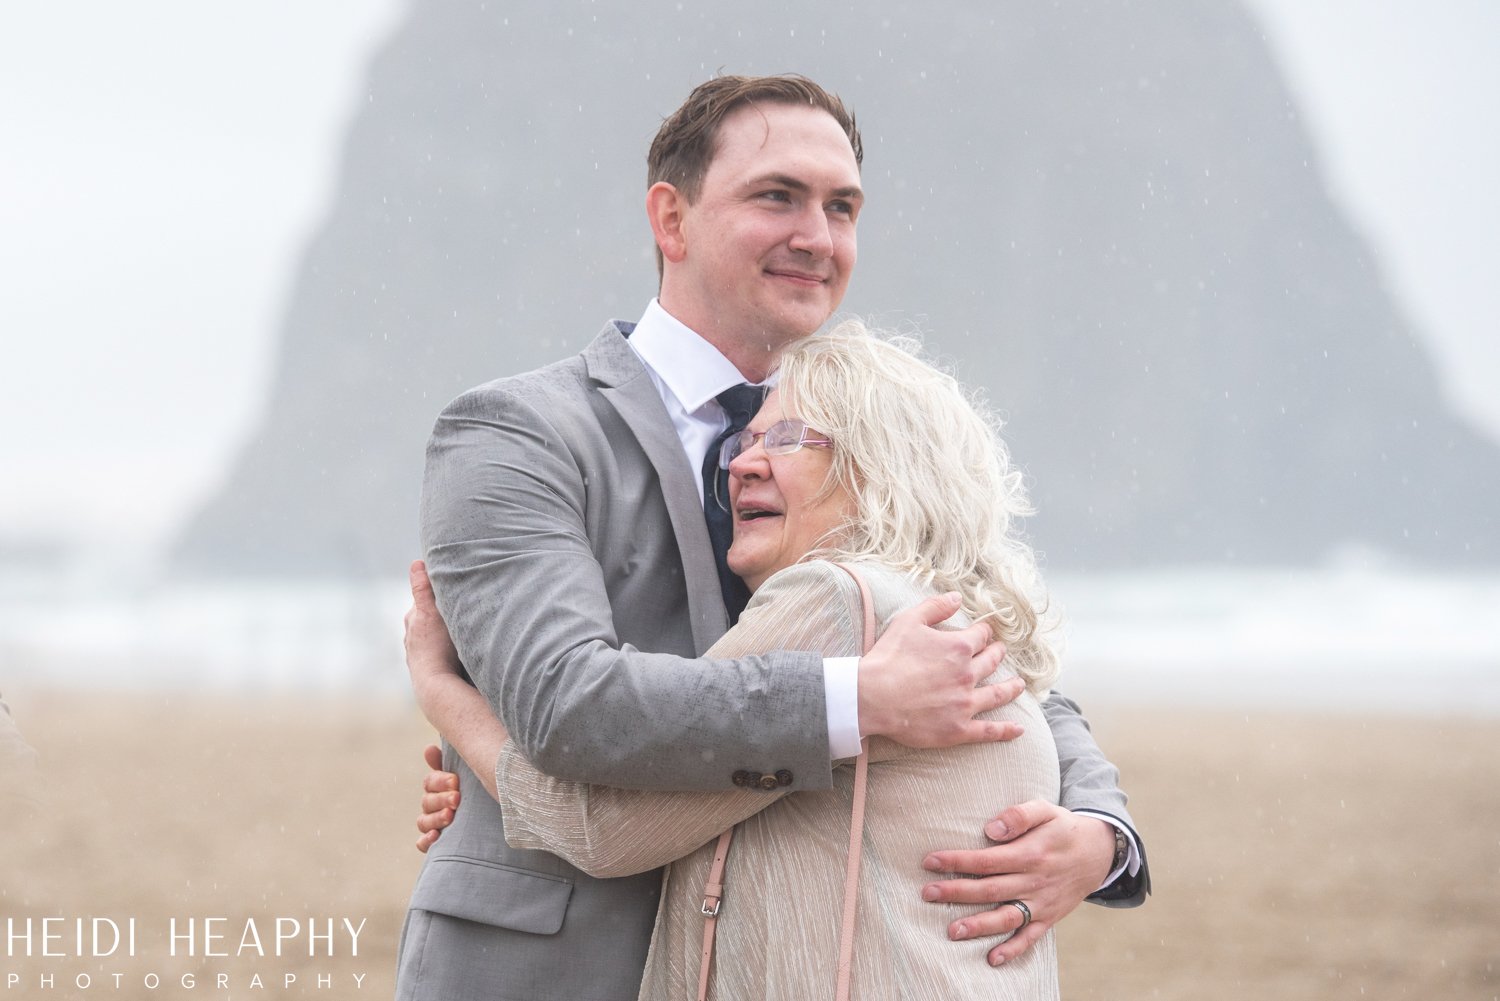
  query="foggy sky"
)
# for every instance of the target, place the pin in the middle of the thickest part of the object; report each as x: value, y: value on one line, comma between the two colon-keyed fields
x: 165, y: 163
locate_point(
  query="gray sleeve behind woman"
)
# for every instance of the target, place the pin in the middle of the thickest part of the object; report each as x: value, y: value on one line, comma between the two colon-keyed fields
x: 1089, y: 781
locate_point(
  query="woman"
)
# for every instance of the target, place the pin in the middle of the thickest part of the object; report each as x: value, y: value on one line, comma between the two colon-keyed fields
x: 866, y: 456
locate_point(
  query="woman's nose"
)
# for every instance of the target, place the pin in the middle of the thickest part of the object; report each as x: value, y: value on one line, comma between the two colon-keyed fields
x: 751, y: 464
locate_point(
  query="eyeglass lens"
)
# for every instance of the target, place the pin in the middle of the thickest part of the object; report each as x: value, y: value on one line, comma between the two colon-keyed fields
x: 781, y: 438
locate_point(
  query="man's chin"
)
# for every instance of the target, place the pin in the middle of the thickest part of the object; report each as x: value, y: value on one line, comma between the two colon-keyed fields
x: 797, y: 321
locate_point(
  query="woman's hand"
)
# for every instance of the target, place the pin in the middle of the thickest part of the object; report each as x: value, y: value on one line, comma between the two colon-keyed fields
x: 440, y: 798
x: 430, y: 654
x: 452, y: 705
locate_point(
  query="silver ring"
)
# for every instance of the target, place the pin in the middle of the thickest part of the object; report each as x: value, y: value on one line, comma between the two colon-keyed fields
x: 1025, y: 911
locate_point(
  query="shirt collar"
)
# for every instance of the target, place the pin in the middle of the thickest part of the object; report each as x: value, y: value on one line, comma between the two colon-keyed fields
x: 692, y: 369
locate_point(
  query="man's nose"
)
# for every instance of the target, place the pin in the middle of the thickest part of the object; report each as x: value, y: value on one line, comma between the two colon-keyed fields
x: 813, y: 235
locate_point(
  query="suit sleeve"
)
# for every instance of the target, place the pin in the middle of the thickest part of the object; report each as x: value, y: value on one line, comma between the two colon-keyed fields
x: 1091, y: 782
x: 506, y: 541
x: 607, y: 831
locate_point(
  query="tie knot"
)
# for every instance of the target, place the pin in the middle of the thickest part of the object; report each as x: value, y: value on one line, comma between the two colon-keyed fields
x: 741, y: 402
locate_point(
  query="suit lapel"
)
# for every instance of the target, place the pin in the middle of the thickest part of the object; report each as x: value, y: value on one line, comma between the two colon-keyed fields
x: 627, y: 387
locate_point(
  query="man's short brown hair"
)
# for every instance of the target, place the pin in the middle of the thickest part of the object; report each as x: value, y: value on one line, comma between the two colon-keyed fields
x: 686, y: 142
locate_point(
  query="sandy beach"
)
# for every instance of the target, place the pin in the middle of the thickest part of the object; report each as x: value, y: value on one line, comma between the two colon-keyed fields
x: 1295, y: 856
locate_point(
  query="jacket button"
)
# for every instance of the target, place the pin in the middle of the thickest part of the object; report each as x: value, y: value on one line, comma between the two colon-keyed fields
x: 784, y: 777
x: 742, y: 778
x: 768, y: 782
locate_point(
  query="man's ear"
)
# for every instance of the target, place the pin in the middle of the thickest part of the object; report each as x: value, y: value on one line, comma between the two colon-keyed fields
x: 665, y: 208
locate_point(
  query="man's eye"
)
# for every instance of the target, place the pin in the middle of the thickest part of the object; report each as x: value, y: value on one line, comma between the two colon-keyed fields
x: 776, y: 196
x: 841, y: 207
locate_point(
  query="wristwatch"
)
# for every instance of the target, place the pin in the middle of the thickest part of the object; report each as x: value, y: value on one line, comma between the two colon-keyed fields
x: 1122, y: 849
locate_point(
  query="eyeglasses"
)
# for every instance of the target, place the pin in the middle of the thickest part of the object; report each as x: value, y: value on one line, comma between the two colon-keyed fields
x: 781, y: 438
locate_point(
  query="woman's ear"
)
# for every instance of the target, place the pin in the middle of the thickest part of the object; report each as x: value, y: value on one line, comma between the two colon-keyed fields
x: 665, y: 208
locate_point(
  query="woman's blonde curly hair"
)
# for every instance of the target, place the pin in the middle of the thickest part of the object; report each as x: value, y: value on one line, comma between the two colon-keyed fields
x: 934, y: 489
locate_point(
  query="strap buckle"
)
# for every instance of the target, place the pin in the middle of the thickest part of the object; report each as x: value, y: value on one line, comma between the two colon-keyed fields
x: 711, y: 906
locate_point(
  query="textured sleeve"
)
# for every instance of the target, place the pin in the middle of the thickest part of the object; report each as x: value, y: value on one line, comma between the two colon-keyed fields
x: 607, y: 831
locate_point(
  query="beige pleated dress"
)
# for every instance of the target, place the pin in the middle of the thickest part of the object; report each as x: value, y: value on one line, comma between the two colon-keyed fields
x: 779, y: 924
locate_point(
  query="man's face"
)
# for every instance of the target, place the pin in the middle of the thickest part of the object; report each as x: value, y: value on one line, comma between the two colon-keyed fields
x: 768, y: 247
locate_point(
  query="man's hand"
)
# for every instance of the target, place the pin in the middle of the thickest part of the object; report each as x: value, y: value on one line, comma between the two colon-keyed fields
x: 917, y: 685
x: 440, y: 797
x: 1049, y: 858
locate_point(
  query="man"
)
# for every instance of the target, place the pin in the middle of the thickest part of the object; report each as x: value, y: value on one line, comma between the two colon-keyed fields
x: 564, y: 527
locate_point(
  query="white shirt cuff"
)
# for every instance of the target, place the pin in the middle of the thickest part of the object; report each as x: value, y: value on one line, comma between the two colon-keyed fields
x: 1132, y: 862
x: 841, y: 702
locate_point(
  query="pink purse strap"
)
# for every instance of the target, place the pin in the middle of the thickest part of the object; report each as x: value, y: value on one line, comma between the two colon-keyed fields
x: 713, y: 897
x: 713, y: 889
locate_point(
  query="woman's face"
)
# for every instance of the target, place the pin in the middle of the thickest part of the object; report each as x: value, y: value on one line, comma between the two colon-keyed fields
x: 779, y: 516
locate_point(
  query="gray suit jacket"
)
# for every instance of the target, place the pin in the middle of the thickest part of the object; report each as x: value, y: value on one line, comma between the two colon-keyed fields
x: 563, y: 532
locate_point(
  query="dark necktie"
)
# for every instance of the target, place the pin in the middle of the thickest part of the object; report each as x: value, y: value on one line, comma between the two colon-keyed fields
x: 740, y: 403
